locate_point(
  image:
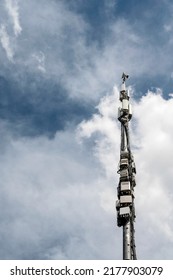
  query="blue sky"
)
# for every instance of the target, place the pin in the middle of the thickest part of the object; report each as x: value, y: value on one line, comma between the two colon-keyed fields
x: 61, y: 63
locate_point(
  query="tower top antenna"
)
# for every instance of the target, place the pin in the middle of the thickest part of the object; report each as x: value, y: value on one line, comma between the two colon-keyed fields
x: 124, y: 77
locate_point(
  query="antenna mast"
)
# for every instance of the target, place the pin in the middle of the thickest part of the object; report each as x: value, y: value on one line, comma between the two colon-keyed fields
x: 127, y: 170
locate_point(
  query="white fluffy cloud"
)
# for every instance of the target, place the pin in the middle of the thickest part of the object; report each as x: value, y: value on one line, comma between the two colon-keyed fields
x: 154, y: 135
x: 51, y: 200
x: 5, y: 41
x: 13, y: 11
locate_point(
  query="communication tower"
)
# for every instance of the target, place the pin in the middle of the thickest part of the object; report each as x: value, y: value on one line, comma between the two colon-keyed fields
x: 125, y: 204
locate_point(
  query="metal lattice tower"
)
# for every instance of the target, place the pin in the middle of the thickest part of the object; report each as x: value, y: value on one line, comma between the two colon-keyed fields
x: 127, y: 170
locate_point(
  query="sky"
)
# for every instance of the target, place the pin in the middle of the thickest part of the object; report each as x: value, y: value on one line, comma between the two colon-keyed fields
x: 61, y: 63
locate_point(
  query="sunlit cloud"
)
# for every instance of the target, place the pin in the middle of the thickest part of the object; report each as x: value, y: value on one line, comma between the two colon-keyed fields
x: 13, y: 11
x: 5, y: 41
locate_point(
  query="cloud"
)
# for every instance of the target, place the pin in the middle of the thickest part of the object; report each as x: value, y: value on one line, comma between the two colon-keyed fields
x: 168, y: 27
x: 85, y: 69
x: 110, y: 6
x: 8, y: 40
x: 48, y: 211
x: 105, y: 127
x: 154, y: 160
x: 13, y: 11
x: 40, y: 59
x: 5, y: 41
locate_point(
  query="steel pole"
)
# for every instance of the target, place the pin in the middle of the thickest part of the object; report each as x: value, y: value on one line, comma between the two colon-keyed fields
x: 127, y: 227
x: 127, y: 255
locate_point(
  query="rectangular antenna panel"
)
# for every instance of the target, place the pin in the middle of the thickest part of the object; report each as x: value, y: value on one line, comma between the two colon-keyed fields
x: 125, y: 199
x: 124, y: 211
x: 125, y: 186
